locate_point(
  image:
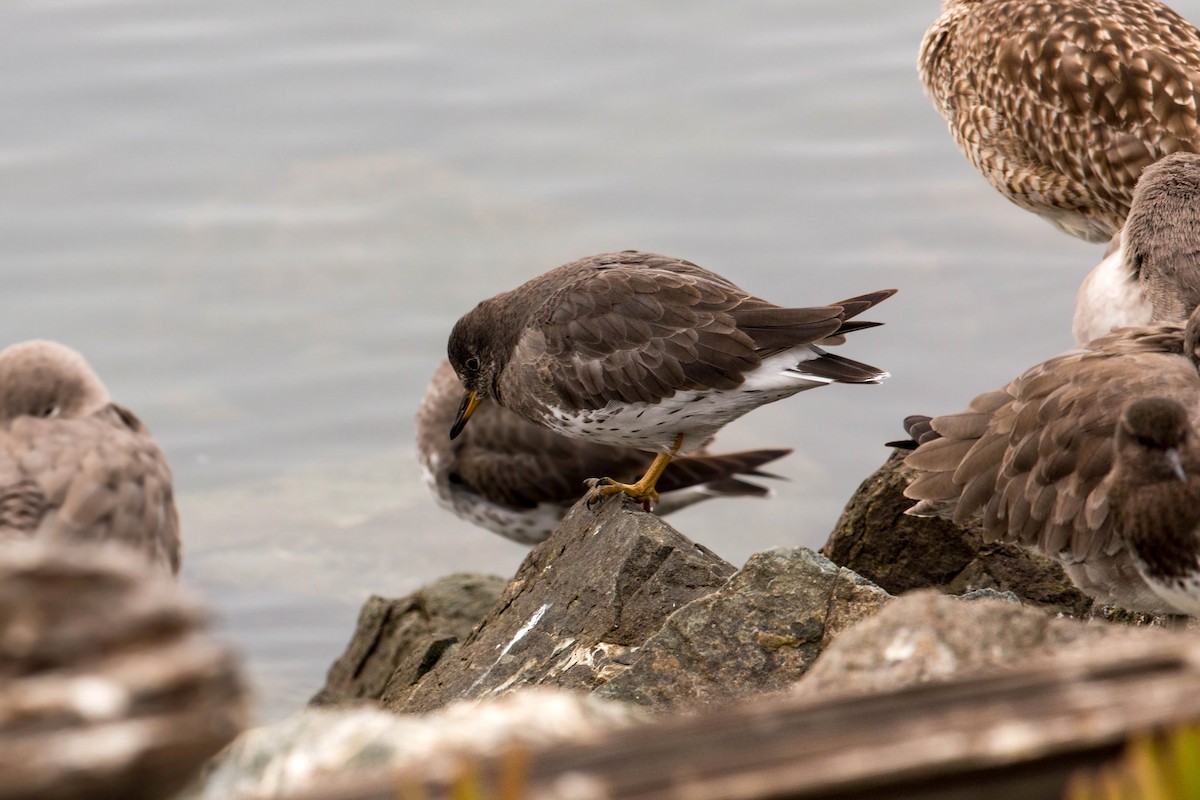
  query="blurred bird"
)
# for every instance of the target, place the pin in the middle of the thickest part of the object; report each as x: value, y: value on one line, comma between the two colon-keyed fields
x: 74, y: 466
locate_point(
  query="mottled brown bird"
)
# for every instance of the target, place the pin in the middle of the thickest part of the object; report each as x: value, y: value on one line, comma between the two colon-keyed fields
x: 645, y: 351
x: 1033, y: 463
x: 74, y: 466
x: 519, y: 479
x: 1062, y: 103
x: 1152, y: 270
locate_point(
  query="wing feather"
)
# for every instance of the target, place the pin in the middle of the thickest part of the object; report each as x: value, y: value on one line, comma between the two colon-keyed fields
x: 96, y: 478
x: 639, y: 327
x: 1030, y: 462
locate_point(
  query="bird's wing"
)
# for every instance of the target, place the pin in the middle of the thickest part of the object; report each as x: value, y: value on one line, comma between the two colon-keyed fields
x: 1107, y: 87
x: 514, y: 462
x: 100, y: 478
x: 639, y: 330
x: 1031, y: 460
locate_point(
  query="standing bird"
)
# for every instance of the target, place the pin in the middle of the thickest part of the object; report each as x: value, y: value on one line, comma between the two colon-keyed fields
x: 519, y: 479
x: 1052, y: 460
x: 1062, y: 103
x: 74, y: 466
x: 1152, y: 270
x: 644, y: 351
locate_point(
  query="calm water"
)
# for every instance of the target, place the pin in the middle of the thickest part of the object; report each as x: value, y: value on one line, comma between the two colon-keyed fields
x: 259, y: 220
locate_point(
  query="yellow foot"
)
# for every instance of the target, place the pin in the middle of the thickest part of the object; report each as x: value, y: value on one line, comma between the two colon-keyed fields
x: 599, y: 488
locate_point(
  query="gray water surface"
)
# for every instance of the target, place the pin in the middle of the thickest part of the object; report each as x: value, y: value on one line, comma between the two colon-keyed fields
x: 259, y: 220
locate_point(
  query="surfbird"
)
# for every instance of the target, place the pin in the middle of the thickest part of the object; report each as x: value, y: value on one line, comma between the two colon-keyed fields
x: 1062, y: 103
x: 1152, y: 270
x: 519, y: 479
x: 645, y: 351
x: 1156, y: 498
x: 1052, y: 461
x: 74, y: 466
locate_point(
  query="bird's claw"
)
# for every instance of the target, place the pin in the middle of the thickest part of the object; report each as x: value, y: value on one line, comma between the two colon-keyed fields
x: 599, y: 488
x: 594, y: 486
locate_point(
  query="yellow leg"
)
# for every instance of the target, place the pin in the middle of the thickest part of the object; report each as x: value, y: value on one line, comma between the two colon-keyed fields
x: 643, y: 490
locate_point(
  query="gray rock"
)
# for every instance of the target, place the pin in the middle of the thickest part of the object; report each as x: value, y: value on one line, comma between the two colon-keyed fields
x: 602, y: 584
x: 319, y: 748
x: 759, y: 632
x: 927, y: 636
x: 397, y: 641
x: 900, y: 553
x: 110, y: 683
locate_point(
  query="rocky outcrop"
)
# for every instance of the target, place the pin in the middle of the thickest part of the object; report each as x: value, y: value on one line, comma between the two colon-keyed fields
x: 900, y: 553
x: 759, y: 632
x: 600, y: 586
x: 618, y: 604
x: 927, y: 636
x: 110, y: 685
x: 322, y: 745
x: 397, y: 641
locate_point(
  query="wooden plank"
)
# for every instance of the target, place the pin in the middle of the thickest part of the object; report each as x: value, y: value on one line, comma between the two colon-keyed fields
x: 1019, y: 733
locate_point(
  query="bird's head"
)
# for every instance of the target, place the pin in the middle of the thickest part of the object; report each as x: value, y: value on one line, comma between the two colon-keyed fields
x: 1155, y: 441
x: 46, y: 379
x: 480, y: 345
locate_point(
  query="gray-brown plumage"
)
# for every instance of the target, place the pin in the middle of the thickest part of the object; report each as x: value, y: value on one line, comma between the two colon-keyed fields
x: 1152, y: 271
x: 645, y: 351
x: 1033, y: 462
x: 519, y: 479
x: 1155, y: 495
x: 1062, y: 103
x: 75, y: 466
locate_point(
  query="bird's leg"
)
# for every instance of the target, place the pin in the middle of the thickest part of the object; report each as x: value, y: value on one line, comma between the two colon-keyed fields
x: 643, y: 490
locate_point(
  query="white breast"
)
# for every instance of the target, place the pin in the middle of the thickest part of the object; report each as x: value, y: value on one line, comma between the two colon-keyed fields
x: 696, y: 415
x: 1110, y: 297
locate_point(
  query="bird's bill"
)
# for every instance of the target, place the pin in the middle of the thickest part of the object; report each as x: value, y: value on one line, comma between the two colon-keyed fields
x: 1176, y: 464
x: 469, y: 402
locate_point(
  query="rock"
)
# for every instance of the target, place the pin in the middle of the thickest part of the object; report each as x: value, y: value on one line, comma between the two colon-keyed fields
x: 110, y: 685
x: 602, y: 584
x: 927, y: 636
x: 876, y: 539
x: 397, y: 641
x: 322, y: 745
x: 759, y: 632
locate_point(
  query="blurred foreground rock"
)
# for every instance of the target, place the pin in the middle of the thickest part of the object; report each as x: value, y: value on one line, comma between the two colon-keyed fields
x: 109, y: 683
x: 322, y: 745
x: 759, y: 632
x: 397, y: 641
x: 970, y: 731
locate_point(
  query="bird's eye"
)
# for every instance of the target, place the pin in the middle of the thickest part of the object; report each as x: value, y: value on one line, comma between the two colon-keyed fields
x: 473, y: 364
x: 49, y: 411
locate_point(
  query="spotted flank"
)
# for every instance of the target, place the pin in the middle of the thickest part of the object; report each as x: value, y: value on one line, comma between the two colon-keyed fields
x: 698, y: 415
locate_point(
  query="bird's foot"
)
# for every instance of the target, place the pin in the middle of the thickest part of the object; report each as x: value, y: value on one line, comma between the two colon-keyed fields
x: 599, y: 488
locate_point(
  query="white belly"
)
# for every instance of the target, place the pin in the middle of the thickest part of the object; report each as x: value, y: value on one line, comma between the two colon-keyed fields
x: 694, y: 415
x: 1109, y: 297
x: 1181, y: 594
